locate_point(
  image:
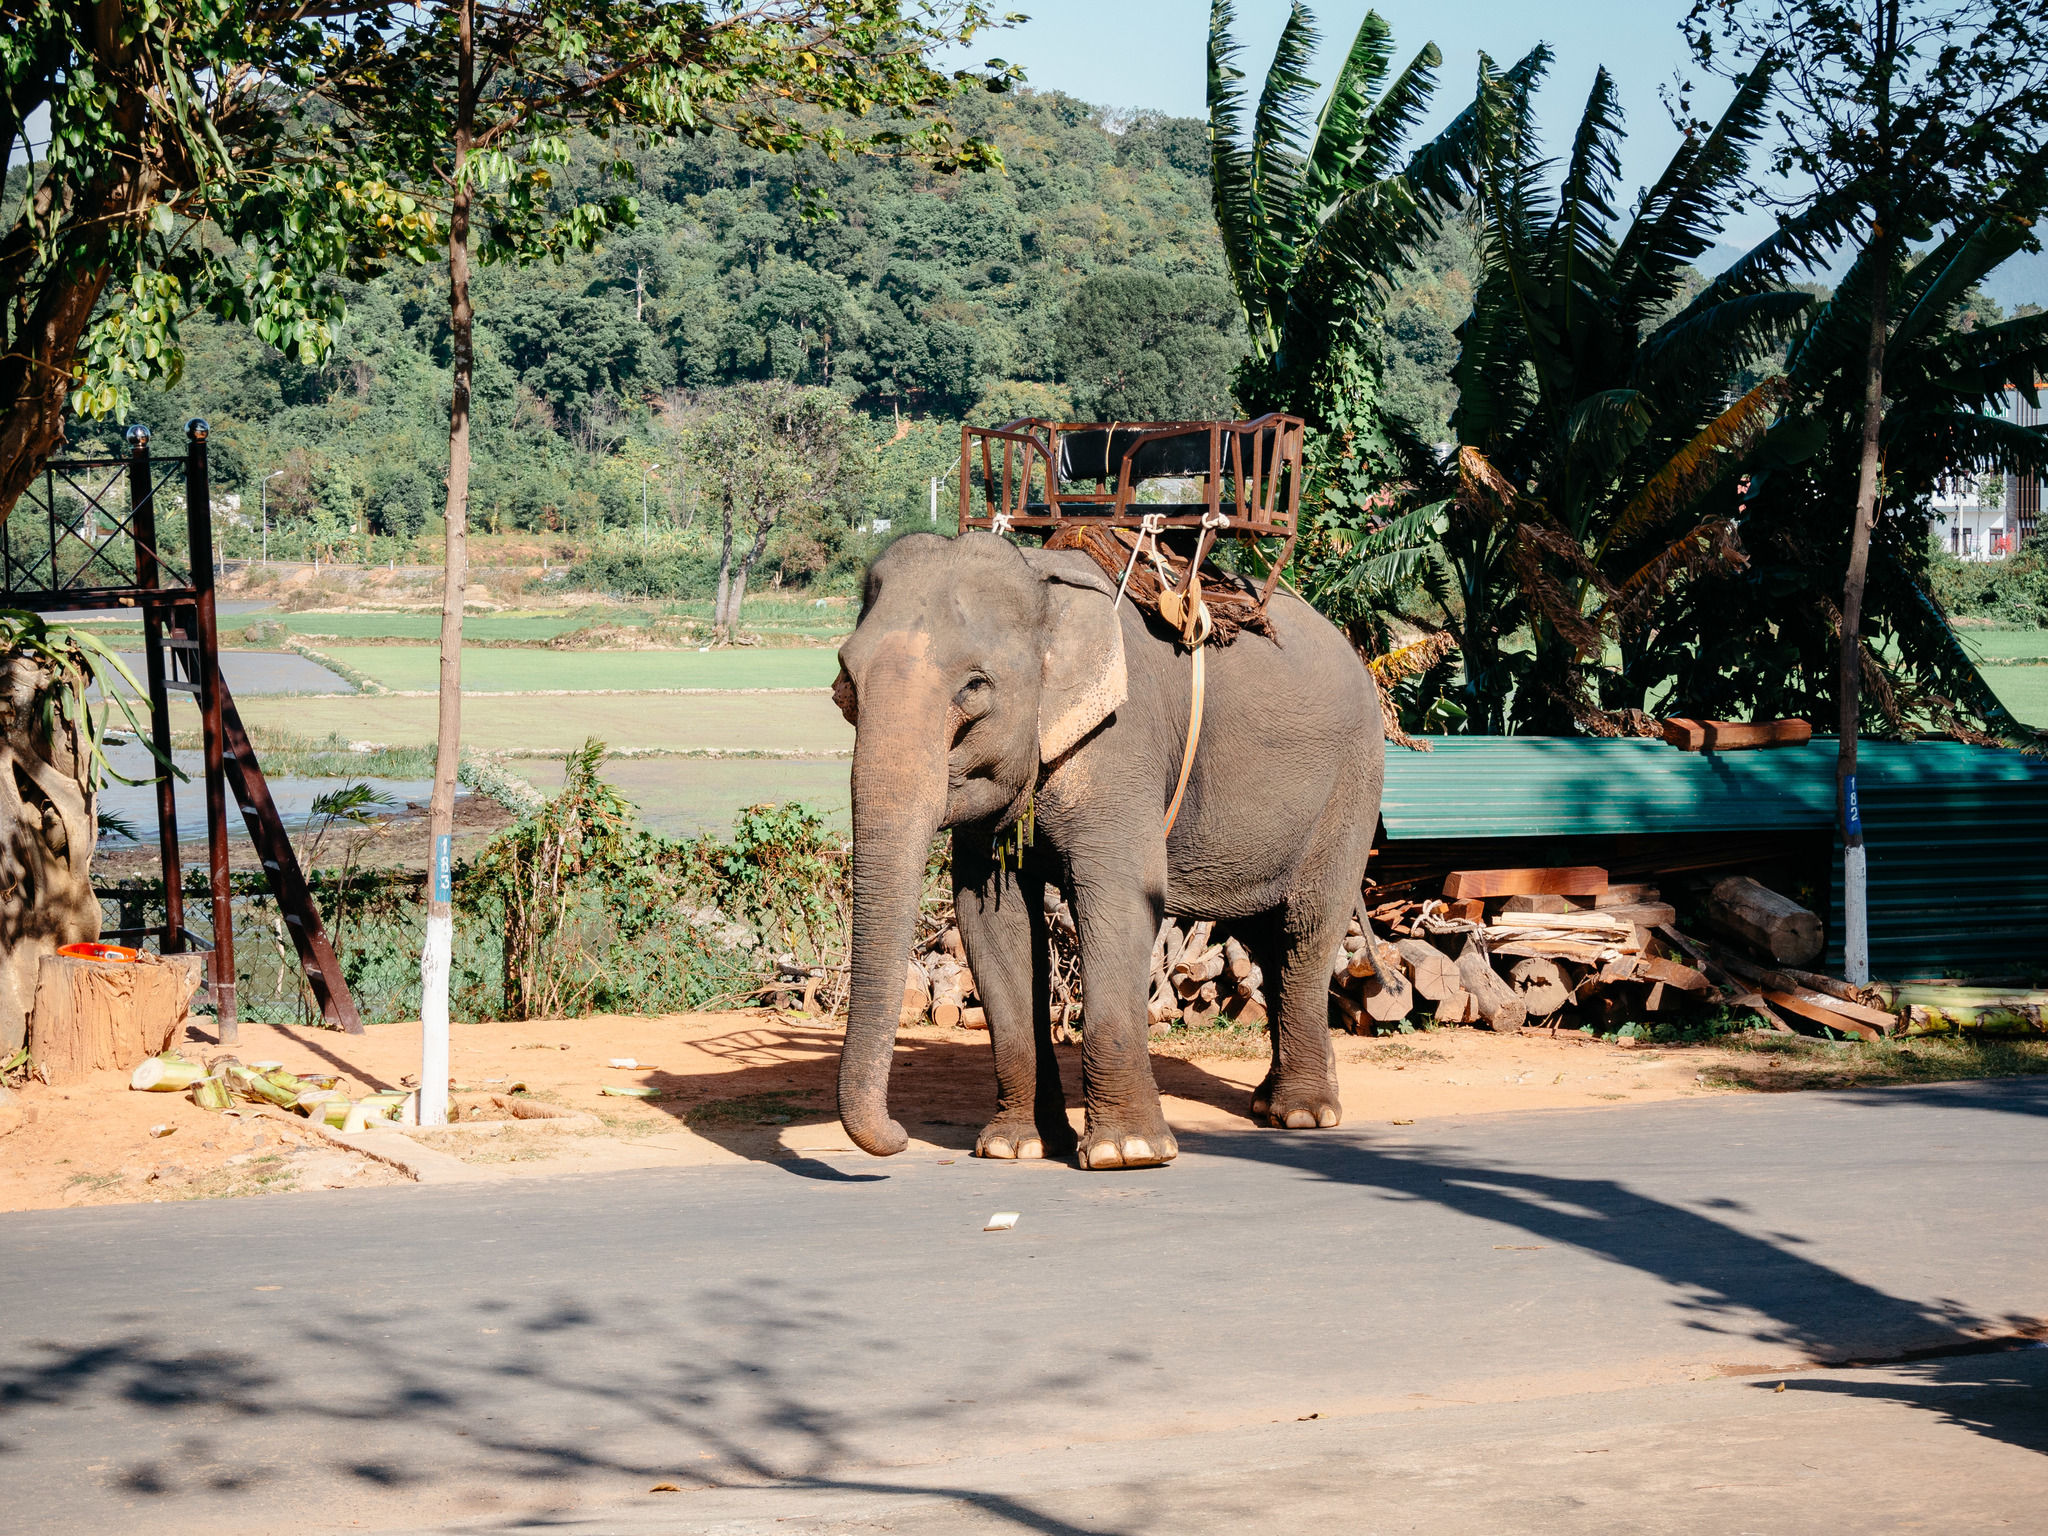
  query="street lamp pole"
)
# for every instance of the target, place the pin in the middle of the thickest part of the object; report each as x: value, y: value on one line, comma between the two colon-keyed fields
x: 644, y: 473
x: 263, y: 501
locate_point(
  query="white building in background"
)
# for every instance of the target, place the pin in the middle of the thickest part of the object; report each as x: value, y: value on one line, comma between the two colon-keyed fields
x: 1987, y: 517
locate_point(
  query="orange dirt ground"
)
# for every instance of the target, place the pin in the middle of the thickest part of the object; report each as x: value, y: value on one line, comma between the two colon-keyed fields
x: 734, y: 1087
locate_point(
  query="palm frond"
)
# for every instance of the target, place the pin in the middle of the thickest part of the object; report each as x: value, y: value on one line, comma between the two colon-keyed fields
x: 1694, y: 470
x: 1982, y: 364
x: 1699, y: 341
x: 1411, y: 660
x: 1445, y: 168
x: 1280, y: 127
x: 1607, y: 426
x: 1709, y: 549
x: 1230, y: 168
x: 1953, y: 268
x: 1483, y: 488
x: 1974, y: 439
x: 1683, y: 212
x: 1583, y: 207
x: 1340, y: 125
x: 1839, y: 332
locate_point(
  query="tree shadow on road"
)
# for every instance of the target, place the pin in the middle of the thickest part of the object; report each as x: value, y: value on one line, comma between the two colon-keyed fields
x: 497, y: 1400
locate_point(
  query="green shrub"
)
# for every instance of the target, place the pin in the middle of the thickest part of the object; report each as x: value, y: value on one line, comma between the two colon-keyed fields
x: 2014, y: 590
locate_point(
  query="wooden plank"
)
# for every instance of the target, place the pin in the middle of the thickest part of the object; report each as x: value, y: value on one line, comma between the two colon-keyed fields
x: 1809, y: 1005
x: 1736, y: 736
x: 1626, y: 896
x: 1575, y: 880
x: 1598, y: 921
x: 1643, y: 914
x: 1671, y: 974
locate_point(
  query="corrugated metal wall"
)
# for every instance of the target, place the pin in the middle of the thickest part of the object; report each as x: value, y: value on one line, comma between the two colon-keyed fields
x: 1958, y: 835
x: 1958, y: 855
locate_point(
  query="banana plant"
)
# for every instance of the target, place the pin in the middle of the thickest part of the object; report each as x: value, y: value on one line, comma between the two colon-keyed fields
x: 1763, y: 640
x: 1320, y: 210
x: 1602, y: 404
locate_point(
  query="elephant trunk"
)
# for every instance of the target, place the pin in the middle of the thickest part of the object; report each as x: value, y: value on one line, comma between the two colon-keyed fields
x: 899, y: 798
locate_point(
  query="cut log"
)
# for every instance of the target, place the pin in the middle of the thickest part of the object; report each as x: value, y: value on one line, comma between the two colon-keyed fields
x: 1457, y: 1007
x: 95, y: 1015
x: 1433, y: 973
x: 1734, y: 735
x: 1541, y: 985
x: 1389, y: 995
x: 1350, y: 1013
x: 1201, y: 1012
x: 1775, y: 927
x: 1644, y: 914
x: 1572, y: 923
x: 947, y: 1015
x: 917, y: 995
x: 973, y: 1018
x: 1237, y: 960
x: 1626, y: 895
x: 1576, y: 880
x: 1499, y: 1004
x: 1469, y: 910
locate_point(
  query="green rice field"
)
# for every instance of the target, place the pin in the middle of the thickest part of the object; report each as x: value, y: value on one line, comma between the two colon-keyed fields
x: 684, y: 797
x: 408, y: 667
x: 731, y: 722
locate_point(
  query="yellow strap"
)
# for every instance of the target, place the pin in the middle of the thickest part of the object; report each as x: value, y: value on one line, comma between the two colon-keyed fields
x: 1199, y: 623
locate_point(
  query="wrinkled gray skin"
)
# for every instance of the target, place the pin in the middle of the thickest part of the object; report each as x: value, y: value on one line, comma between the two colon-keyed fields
x: 979, y: 671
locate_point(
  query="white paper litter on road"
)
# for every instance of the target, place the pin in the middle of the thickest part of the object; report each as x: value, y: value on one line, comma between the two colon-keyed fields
x: 1002, y: 1221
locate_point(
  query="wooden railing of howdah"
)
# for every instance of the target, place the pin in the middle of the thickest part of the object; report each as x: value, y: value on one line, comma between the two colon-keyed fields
x: 1032, y: 471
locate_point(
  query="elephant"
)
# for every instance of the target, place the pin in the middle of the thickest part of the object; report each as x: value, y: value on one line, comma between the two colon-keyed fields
x: 990, y: 684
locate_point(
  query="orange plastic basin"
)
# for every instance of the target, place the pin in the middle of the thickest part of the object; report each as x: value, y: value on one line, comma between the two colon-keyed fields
x: 100, y: 952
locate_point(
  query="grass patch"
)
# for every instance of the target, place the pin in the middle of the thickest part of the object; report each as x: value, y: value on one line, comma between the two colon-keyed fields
x: 407, y: 668
x: 777, y: 1108
x: 1788, y: 1063
x: 292, y: 754
x: 270, y: 1174
x: 92, y: 1183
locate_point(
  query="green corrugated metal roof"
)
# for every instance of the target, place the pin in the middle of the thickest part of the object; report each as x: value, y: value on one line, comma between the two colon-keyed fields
x: 1958, y: 835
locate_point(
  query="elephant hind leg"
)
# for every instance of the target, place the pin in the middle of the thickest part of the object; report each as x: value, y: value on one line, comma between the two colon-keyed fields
x: 1300, y: 1092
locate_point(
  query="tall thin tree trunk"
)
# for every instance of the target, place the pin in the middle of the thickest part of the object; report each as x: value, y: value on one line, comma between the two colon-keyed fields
x: 1855, y: 917
x: 438, y: 955
x: 739, y: 585
x: 719, y: 619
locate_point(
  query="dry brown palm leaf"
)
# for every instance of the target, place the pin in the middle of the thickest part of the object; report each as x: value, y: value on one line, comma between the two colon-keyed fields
x: 1875, y: 684
x: 1483, y: 488
x: 1546, y: 595
x: 1411, y: 660
x: 1397, y: 665
x: 1692, y: 471
x: 1711, y: 549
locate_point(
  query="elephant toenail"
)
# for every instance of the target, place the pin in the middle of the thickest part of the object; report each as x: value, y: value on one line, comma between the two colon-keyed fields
x: 1030, y: 1149
x: 998, y: 1148
x: 1328, y: 1118
x: 1300, y: 1120
x: 1105, y: 1156
x: 1137, y: 1150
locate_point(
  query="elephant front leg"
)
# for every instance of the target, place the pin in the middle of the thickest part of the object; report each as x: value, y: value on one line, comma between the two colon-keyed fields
x: 1002, y: 922
x: 1126, y: 1128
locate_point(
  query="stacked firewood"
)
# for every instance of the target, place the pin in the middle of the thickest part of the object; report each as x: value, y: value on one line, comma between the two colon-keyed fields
x: 940, y: 985
x: 1514, y: 958
x: 1198, y: 981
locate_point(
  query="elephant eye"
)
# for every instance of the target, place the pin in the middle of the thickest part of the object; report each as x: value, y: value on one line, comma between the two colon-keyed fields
x: 974, y: 698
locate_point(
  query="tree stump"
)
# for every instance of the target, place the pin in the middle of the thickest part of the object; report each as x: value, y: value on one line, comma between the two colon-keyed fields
x: 47, y: 832
x: 93, y: 1015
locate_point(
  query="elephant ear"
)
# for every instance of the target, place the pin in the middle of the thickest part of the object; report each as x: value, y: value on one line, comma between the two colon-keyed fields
x: 1084, y: 678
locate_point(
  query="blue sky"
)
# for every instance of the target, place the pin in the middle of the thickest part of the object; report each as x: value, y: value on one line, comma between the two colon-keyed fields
x: 1150, y: 53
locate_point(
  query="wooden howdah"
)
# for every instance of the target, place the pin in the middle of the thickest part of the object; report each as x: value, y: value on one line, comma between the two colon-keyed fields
x: 1034, y: 477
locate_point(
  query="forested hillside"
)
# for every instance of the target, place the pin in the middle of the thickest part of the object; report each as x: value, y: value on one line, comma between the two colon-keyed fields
x: 919, y: 299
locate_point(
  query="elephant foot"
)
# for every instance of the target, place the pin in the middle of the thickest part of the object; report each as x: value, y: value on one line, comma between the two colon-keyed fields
x: 1303, y: 1107
x: 1020, y: 1138
x: 1115, y: 1141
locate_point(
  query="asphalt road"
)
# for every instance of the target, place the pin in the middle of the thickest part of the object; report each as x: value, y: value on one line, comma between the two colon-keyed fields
x: 1546, y: 1322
